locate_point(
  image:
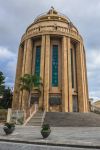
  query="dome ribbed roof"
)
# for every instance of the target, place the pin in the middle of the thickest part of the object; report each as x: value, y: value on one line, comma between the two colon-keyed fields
x: 52, y: 14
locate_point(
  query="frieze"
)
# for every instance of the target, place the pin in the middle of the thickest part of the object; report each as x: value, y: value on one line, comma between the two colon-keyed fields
x: 42, y: 29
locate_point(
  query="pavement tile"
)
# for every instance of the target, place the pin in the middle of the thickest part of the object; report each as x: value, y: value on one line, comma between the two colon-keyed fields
x: 86, y: 136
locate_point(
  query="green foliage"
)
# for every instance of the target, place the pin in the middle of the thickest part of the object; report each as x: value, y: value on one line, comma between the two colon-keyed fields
x: 6, y: 101
x: 21, y: 120
x: 29, y: 81
x: 1, y: 107
x: 2, y: 87
x: 45, y: 130
x: 45, y: 127
x: 9, y: 125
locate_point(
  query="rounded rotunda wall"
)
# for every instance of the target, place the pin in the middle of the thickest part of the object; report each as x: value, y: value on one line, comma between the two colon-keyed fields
x: 52, y: 23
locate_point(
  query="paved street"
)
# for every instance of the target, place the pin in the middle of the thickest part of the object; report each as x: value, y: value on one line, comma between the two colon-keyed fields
x: 18, y: 146
x: 84, y: 136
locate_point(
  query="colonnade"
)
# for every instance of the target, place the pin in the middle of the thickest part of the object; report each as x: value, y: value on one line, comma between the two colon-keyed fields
x: 25, y: 64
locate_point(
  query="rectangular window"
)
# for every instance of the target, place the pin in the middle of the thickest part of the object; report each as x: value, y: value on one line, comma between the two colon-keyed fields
x: 37, y: 60
x: 55, y: 65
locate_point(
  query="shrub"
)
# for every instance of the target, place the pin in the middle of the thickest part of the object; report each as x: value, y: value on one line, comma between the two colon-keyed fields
x: 9, y: 125
x: 45, y: 126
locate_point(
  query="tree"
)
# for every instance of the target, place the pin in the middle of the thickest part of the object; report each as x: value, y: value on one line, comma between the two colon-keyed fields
x: 2, y: 82
x: 29, y: 81
x: 6, y: 101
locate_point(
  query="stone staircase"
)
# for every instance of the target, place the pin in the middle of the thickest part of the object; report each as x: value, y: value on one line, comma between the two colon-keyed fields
x: 61, y: 119
x: 36, y: 120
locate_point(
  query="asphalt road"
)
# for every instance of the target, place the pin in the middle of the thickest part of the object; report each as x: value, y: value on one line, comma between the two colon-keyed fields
x: 20, y: 146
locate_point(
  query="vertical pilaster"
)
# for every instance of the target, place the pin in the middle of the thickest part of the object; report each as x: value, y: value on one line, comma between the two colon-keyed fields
x: 42, y: 70
x: 46, y: 76
x: 27, y: 70
x: 64, y: 76
x: 17, y: 80
x: 69, y: 75
x: 80, y: 78
x: 21, y: 101
x: 87, y: 100
x: 85, y: 81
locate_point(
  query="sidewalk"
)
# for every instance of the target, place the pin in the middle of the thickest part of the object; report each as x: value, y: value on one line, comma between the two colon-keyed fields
x: 88, y: 137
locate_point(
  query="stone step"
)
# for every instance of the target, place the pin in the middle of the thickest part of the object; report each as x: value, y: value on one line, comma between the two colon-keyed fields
x: 39, y: 113
x: 36, y: 119
x: 34, y: 124
x: 38, y: 116
x: 72, y: 119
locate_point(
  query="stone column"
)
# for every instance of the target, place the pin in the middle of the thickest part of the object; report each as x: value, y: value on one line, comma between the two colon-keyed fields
x: 46, y: 76
x: 27, y: 70
x: 87, y: 100
x: 17, y: 80
x: 64, y: 76
x: 85, y: 81
x: 80, y: 78
x: 69, y: 75
x: 42, y: 71
x: 21, y: 101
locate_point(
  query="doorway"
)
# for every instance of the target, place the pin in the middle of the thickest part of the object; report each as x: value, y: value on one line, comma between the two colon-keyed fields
x: 75, y: 103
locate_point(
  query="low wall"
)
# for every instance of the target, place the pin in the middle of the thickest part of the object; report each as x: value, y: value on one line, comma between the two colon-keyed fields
x: 17, y: 116
x: 3, y: 115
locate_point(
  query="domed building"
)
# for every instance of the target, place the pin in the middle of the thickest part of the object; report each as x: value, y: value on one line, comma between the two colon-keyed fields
x: 53, y: 49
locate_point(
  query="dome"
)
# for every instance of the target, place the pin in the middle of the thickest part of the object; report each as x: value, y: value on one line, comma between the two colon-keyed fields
x: 52, y: 22
x: 53, y: 15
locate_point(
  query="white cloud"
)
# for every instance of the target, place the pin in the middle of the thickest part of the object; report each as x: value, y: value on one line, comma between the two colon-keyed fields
x: 93, y: 59
x: 6, y: 54
x: 93, y: 67
x: 95, y: 95
x: 8, y: 65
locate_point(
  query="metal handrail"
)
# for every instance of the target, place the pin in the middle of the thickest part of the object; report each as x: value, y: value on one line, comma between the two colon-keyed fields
x: 32, y: 112
x: 43, y: 117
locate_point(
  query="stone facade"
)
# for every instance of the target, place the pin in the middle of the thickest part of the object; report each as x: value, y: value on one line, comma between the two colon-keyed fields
x: 49, y: 33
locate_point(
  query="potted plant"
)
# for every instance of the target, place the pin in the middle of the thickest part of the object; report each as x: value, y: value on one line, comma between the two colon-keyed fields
x: 9, y: 127
x: 45, y: 131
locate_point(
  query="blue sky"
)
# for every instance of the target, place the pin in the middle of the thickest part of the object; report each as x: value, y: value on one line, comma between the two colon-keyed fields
x: 16, y: 15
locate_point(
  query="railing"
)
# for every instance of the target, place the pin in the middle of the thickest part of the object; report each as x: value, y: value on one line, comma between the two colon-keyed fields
x: 33, y: 31
x: 28, y: 114
x: 16, y: 116
x: 43, y: 117
x: 22, y: 116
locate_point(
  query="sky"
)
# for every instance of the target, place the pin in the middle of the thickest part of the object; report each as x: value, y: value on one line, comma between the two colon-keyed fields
x: 16, y: 15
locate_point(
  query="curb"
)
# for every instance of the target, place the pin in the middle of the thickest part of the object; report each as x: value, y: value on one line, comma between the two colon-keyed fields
x: 53, y: 144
